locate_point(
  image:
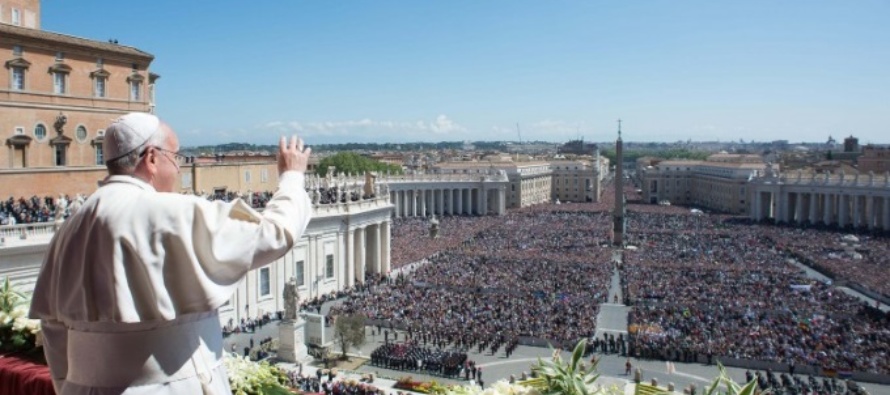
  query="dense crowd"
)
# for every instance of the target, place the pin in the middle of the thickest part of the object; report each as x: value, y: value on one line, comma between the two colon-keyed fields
x: 411, y: 241
x: 863, y: 259
x: 328, y: 384
x: 535, y: 274
x: 702, y: 285
x: 790, y: 384
x: 402, y: 356
x: 29, y: 210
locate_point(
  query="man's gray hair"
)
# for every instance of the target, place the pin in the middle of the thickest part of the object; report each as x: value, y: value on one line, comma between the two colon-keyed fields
x: 126, y: 165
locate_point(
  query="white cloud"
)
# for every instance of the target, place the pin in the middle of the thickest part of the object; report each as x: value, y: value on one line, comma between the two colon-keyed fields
x: 362, y: 129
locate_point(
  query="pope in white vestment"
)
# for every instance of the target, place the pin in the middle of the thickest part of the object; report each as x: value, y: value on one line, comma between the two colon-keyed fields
x: 129, y: 290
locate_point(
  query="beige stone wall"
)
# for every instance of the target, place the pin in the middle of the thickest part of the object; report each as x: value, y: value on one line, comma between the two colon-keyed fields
x: 40, y: 153
x: 49, y: 182
x: 29, y: 12
x: 570, y: 179
x: 233, y: 177
x: 39, y: 81
x: 207, y: 177
x: 725, y: 195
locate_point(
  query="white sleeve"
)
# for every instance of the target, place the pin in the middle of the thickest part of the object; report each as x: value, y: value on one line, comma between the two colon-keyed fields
x: 230, y: 239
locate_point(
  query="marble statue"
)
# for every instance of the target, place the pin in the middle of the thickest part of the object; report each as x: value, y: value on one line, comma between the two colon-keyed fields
x: 291, y: 297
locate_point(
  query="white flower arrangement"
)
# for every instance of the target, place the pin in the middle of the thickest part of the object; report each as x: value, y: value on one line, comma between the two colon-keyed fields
x: 250, y: 378
x: 18, y: 333
x: 499, y: 388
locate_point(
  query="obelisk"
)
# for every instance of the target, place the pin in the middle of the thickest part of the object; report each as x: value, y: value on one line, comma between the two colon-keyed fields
x: 619, y: 210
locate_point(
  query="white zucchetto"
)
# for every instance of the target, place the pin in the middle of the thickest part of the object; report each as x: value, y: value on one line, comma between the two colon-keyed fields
x: 128, y: 133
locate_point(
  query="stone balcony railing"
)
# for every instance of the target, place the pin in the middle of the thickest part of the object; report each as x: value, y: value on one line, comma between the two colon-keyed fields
x: 9, y: 232
x: 350, y: 207
x: 448, y: 177
x: 869, y: 180
x: 20, y: 234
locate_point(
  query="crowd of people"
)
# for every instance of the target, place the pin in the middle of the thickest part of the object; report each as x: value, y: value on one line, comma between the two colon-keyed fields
x: 29, y: 210
x: 790, y: 384
x: 534, y: 274
x: 700, y: 285
x: 411, y: 241
x: 406, y: 356
x: 328, y: 384
x: 704, y: 285
x: 863, y: 259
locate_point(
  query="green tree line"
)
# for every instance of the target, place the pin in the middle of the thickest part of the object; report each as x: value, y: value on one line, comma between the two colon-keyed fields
x: 350, y: 162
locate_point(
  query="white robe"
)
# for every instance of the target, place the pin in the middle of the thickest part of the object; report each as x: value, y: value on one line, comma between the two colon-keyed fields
x: 129, y: 290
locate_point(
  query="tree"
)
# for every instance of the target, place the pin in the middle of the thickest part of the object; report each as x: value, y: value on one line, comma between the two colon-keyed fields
x: 349, y: 331
x: 350, y: 162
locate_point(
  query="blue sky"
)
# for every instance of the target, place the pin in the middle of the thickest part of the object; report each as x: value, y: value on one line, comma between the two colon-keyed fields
x: 391, y: 71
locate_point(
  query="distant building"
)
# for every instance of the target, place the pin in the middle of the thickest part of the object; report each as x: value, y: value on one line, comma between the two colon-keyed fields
x: 874, y: 159
x: 530, y: 182
x: 389, y: 158
x: 851, y: 144
x: 578, y: 180
x: 718, y: 183
x: 577, y: 147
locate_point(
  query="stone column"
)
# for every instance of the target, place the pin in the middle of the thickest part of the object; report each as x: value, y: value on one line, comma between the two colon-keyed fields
x: 431, y: 201
x: 440, y: 195
x: 857, y: 210
x: 460, y: 201
x: 467, y: 196
x: 758, y: 205
x: 782, y: 206
x: 387, y: 237
x: 827, y: 209
x: 502, y: 200
x: 483, y: 207
x: 395, y: 204
x: 414, y: 202
x: 843, y: 210
x: 422, y: 194
x: 798, y: 208
x: 886, y: 213
x: 350, y: 257
x: 813, y: 204
x: 376, y: 255
x: 871, y: 210
x: 360, y: 254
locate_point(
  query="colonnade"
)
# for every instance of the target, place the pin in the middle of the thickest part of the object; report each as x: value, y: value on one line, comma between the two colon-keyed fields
x: 867, y: 208
x: 448, y: 201
x: 367, y: 251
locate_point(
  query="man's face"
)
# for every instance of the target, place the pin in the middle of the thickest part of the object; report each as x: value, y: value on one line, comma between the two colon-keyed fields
x: 167, y: 167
